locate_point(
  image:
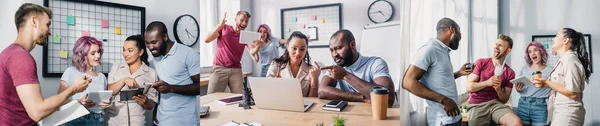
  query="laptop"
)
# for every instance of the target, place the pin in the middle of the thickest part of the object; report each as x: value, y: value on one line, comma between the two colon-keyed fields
x: 278, y: 94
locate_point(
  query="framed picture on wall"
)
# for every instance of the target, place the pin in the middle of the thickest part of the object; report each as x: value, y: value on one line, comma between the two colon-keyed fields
x: 318, y: 21
x: 546, y: 41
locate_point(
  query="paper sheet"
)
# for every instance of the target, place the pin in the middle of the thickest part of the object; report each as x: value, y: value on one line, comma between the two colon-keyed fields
x: 522, y: 79
x: 70, y: 20
x: 104, y: 23
x: 247, y: 37
x: 64, y: 54
x: 66, y: 113
x: 99, y: 96
x: 118, y: 30
x: 56, y: 39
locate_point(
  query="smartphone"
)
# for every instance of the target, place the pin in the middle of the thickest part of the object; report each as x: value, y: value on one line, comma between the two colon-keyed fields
x: 333, y: 103
x: 469, y: 67
x: 204, y: 110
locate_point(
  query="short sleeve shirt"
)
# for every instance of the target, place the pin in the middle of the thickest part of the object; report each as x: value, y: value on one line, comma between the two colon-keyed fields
x: 366, y: 68
x: 229, y: 50
x: 118, y: 111
x: 485, y: 69
x: 98, y: 84
x: 17, y: 67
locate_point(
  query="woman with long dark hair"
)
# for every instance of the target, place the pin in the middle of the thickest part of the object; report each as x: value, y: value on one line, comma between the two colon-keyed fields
x: 132, y: 75
x: 568, y: 79
x: 295, y: 63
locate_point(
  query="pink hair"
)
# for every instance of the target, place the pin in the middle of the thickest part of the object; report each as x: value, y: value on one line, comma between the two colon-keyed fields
x: 81, y: 49
x: 266, y: 27
x: 540, y: 48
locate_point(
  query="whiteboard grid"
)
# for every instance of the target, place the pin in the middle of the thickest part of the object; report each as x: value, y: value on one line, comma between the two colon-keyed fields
x: 546, y: 41
x: 88, y: 16
x: 292, y: 19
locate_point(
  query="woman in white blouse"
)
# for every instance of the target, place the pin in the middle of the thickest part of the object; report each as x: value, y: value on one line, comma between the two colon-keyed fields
x: 295, y: 63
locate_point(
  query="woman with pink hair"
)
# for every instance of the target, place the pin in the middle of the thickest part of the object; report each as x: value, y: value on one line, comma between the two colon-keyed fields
x: 265, y: 49
x: 87, y: 52
x: 532, y: 107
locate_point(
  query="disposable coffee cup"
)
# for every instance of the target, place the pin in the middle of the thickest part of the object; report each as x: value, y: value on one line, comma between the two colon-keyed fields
x: 537, y: 74
x: 379, y: 102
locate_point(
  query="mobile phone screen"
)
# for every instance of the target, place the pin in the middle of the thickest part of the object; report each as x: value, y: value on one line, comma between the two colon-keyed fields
x: 334, y: 103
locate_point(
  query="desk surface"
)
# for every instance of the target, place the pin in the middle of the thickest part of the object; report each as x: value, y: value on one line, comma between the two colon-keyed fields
x: 204, y: 77
x: 356, y: 114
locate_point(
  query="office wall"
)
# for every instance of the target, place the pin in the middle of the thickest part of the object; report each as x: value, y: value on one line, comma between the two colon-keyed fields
x: 522, y: 18
x: 354, y: 17
x: 156, y: 10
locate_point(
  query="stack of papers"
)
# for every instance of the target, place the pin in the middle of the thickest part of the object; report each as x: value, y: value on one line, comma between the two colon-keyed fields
x: 66, y: 113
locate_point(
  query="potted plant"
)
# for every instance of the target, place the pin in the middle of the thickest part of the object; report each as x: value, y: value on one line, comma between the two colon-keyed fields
x: 464, y: 109
x: 338, y: 121
x: 320, y: 124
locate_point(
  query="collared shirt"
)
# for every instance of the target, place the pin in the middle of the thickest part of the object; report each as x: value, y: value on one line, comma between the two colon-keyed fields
x: 117, y: 112
x: 434, y: 58
x: 269, y: 51
x: 366, y: 68
x: 285, y: 72
x: 98, y: 83
x: 176, y: 68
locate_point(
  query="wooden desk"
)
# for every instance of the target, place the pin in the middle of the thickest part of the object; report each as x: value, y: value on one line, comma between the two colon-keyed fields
x: 206, y: 76
x: 356, y: 114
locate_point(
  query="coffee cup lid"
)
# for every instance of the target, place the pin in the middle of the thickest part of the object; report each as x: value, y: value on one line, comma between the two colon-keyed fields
x: 379, y: 90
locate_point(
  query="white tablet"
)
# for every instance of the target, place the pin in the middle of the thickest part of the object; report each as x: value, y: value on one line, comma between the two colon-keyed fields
x: 247, y: 37
x: 522, y: 79
x: 98, y: 96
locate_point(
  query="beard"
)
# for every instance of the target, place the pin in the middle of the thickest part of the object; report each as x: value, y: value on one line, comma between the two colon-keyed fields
x: 162, y: 48
x: 454, y: 41
x: 345, y: 60
x: 43, y: 40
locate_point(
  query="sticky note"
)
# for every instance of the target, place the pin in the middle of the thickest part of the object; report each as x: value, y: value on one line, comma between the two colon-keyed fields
x: 71, y: 20
x: 56, y: 39
x: 303, y: 26
x: 118, y: 30
x: 313, y: 18
x: 554, y: 53
x: 64, y: 54
x: 104, y: 23
x: 85, y: 33
x: 322, y: 20
x: 295, y: 19
x: 545, y: 46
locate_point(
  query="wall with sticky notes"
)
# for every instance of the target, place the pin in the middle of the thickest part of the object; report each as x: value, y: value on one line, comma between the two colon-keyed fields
x: 109, y: 22
x: 318, y: 21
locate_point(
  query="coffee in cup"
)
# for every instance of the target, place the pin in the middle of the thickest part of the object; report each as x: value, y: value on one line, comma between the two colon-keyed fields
x: 379, y: 102
x: 535, y: 75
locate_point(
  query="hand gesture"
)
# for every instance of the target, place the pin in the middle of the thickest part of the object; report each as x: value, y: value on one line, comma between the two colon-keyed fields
x: 140, y: 99
x: 161, y: 87
x: 86, y: 103
x: 224, y: 20
x: 450, y: 107
x: 519, y: 87
x: 336, y: 72
x: 130, y: 82
x: 315, y: 72
x: 463, y: 69
x: 81, y: 83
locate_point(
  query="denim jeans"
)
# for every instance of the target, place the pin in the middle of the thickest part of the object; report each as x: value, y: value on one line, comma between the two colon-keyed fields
x: 264, y: 70
x: 533, y: 111
x: 92, y: 119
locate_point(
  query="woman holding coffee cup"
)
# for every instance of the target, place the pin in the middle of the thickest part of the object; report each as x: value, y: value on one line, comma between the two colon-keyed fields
x: 567, y: 79
x: 532, y: 104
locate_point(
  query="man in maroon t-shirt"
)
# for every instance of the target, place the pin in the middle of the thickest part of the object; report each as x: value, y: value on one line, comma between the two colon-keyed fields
x: 489, y: 88
x: 227, y: 69
x: 21, y: 101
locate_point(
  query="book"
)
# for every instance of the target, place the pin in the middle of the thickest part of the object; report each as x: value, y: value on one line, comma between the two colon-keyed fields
x: 66, y: 113
x: 230, y: 100
x: 339, y: 108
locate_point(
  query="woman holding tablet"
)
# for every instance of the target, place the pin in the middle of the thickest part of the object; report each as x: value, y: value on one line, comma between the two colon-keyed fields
x: 132, y: 75
x: 532, y: 105
x: 86, y: 55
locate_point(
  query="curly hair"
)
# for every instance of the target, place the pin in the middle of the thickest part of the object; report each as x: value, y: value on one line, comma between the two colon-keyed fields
x: 540, y: 48
x: 81, y: 49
